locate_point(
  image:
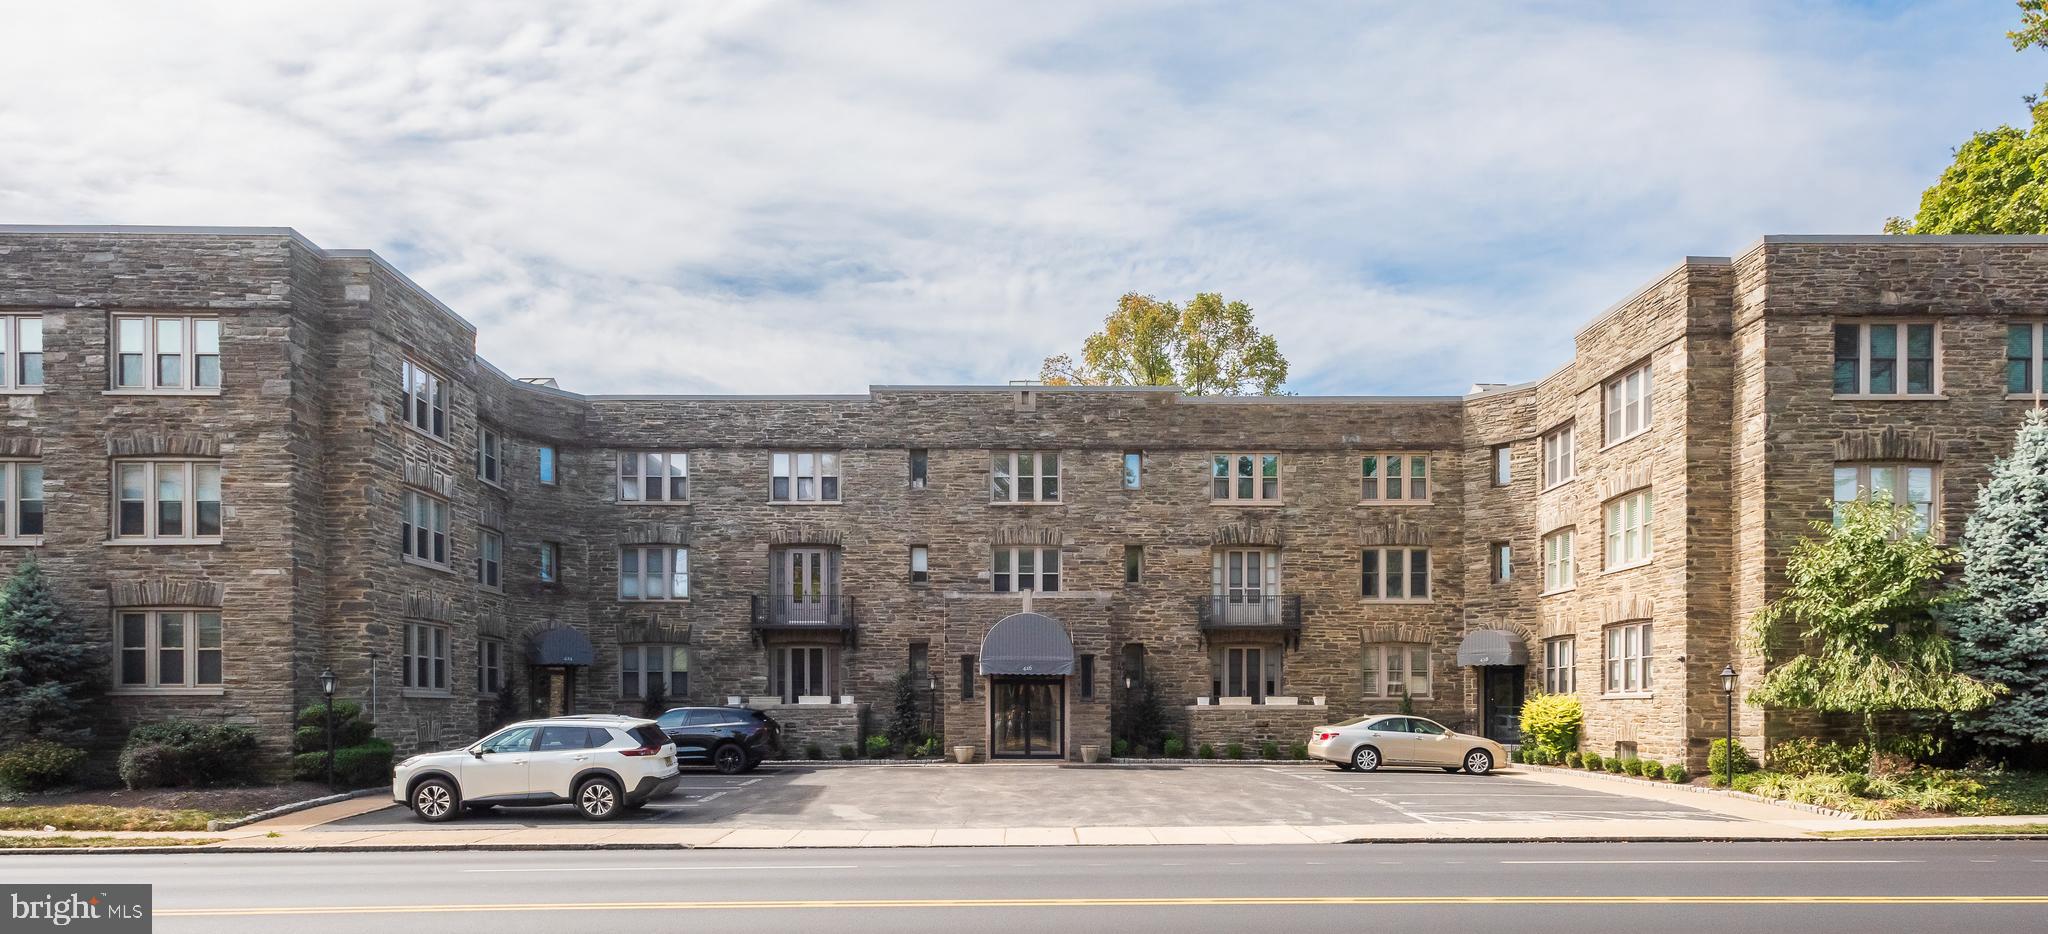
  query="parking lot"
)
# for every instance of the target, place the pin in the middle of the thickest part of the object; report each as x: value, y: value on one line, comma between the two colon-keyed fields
x: 1000, y: 795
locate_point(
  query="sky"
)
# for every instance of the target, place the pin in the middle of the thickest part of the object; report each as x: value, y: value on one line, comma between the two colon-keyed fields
x: 792, y: 197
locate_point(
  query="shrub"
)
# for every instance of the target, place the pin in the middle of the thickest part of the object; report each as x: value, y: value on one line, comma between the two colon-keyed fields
x: 359, y: 766
x: 813, y: 751
x: 38, y: 764
x: 929, y: 749
x: 1804, y: 756
x: 1717, y: 759
x: 906, y: 720
x: 1676, y: 774
x: 1175, y: 748
x: 147, y: 765
x: 1591, y: 762
x: 1573, y: 760
x: 1615, y: 766
x: 1234, y: 750
x: 1120, y: 748
x: 848, y: 752
x: 1515, y: 754
x: 1144, y: 721
x: 1652, y: 770
x: 878, y: 746
x: 1631, y: 766
x: 189, y: 754
x: 1271, y: 750
x: 1550, y: 723
x: 1297, y: 751
x: 1205, y: 751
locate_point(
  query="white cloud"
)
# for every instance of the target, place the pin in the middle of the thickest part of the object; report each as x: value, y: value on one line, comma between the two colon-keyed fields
x: 790, y: 197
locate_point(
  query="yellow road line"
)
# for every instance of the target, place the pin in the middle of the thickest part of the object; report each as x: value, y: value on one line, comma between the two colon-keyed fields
x: 1339, y: 900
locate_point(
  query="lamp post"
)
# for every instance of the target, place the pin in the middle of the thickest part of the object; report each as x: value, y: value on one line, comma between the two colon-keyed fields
x: 327, y: 692
x: 931, y: 687
x: 1728, y: 689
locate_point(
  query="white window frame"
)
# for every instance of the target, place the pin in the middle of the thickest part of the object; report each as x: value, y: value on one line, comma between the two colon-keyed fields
x: 1375, y: 570
x: 189, y: 352
x: 423, y: 513
x: 1245, y: 478
x: 1006, y: 574
x: 670, y: 570
x: 431, y: 421
x: 651, y: 477
x: 1380, y: 474
x: 1269, y: 677
x: 1625, y: 404
x: 1627, y: 651
x: 822, y: 660
x: 190, y: 647
x: 490, y: 666
x: 190, y: 473
x: 1901, y: 363
x: 641, y: 659
x: 1560, y: 569
x: 1503, y: 466
x: 790, y: 467
x: 1007, y: 477
x: 490, y: 456
x: 428, y: 643
x: 17, y: 477
x: 1865, y: 475
x: 1560, y: 455
x: 1560, y: 665
x: 14, y: 356
x: 490, y: 558
x: 1383, y: 660
x: 1630, y: 543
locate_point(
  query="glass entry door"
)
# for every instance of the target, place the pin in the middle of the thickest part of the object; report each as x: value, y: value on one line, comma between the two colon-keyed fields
x: 1502, y: 700
x: 805, y: 583
x: 1027, y: 717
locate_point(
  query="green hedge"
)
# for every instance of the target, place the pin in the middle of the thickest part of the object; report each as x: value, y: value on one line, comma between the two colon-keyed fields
x: 38, y: 764
x: 360, y: 766
x: 182, y: 752
x: 1550, y: 725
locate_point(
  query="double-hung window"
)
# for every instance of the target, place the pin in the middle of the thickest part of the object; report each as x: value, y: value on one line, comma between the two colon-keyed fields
x: 1887, y: 358
x: 167, y: 500
x: 1628, y: 530
x: 21, y: 500
x: 1021, y: 569
x: 1628, y: 658
x: 21, y: 352
x: 490, y: 456
x: 1503, y: 562
x: 423, y: 526
x: 654, y: 572
x: 1394, y: 574
x: 490, y: 666
x: 2023, y: 357
x: 803, y: 477
x: 642, y: 668
x: 654, y: 478
x: 1397, y: 670
x: 1559, y: 460
x: 424, y: 399
x: 920, y: 564
x: 1558, y: 571
x: 166, y: 353
x: 1024, y: 477
x: 1393, y: 478
x: 168, y: 650
x: 1245, y: 478
x: 490, y: 557
x: 1559, y: 666
x: 1901, y: 484
x: 1626, y: 400
x: 426, y: 656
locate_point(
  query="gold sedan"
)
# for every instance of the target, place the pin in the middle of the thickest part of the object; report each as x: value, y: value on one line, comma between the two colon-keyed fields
x: 1366, y: 743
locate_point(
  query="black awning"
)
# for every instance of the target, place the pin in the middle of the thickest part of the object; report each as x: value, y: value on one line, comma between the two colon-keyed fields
x: 561, y: 646
x: 1492, y: 647
x: 1027, y: 644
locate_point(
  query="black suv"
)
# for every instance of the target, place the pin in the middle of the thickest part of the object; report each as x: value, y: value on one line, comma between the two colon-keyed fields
x: 733, y: 739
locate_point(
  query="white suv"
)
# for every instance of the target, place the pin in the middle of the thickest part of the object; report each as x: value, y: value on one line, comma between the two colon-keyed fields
x: 602, y: 764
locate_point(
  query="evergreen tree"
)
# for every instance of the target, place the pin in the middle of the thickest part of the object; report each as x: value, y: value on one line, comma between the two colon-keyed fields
x: 655, y: 702
x: 1145, y: 721
x: 50, y: 666
x: 2001, y: 624
x: 906, y: 721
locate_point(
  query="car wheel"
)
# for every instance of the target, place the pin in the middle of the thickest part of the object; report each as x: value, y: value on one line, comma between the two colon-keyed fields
x: 600, y: 799
x: 434, y: 800
x: 729, y: 759
x: 1365, y: 759
x: 1479, y: 762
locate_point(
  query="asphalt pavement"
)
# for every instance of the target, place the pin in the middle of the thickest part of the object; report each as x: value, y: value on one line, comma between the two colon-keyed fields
x: 1810, y: 887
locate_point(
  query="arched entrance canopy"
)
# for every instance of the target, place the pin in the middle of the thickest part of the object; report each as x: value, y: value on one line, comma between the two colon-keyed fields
x: 1484, y: 647
x: 1027, y: 644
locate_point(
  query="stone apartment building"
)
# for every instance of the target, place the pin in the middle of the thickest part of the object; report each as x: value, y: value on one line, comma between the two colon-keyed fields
x: 254, y: 458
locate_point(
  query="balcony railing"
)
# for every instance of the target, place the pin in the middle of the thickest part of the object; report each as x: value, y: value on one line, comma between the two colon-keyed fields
x: 1275, y: 612
x: 823, y: 615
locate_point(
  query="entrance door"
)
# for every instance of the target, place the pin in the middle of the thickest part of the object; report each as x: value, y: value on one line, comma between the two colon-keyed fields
x: 1027, y: 717
x: 804, y: 585
x: 1502, y: 703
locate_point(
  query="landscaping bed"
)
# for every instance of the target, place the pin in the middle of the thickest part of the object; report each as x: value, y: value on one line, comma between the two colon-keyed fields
x: 149, y: 808
x: 96, y: 843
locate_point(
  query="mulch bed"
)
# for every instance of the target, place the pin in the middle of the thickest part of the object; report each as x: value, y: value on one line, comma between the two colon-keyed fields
x: 233, y: 800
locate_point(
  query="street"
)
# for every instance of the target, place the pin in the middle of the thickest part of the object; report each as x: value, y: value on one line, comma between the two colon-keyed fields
x: 1811, y: 887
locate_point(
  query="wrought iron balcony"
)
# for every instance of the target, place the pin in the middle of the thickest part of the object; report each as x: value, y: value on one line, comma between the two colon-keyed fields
x: 1273, y: 612
x: 828, y: 615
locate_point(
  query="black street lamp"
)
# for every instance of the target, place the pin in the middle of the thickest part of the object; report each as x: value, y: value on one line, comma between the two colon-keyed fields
x: 1728, y: 688
x: 327, y: 692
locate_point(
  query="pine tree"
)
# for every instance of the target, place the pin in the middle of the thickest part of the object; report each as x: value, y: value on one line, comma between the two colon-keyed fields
x: 50, y: 666
x: 1145, y: 720
x: 906, y: 721
x: 2001, y: 625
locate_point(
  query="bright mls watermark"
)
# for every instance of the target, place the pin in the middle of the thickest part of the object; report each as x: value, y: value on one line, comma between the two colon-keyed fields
x: 82, y: 908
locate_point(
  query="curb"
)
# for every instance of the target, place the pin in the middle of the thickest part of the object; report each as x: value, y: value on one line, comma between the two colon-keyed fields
x: 215, y: 826
x: 566, y: 847
x: 1698, y: 789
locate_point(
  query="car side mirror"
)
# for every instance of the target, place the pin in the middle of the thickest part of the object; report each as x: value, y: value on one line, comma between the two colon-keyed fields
x: 478, y: 752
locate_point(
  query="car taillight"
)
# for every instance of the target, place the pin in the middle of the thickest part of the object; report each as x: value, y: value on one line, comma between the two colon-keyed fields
x: 642, y: 751
x: 1325, y: 737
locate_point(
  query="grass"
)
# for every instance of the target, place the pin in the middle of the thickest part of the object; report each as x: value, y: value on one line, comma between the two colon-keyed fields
x: 1961, y: 831
x: 2009, y: 793
x: 105, y: 817
x: 94, y: 843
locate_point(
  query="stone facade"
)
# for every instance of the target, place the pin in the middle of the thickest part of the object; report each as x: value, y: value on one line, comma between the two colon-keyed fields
x: 318, y: 460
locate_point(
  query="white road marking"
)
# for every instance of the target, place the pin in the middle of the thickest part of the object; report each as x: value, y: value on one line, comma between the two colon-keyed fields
x: 1689, y: 862
x: 665, y: 868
